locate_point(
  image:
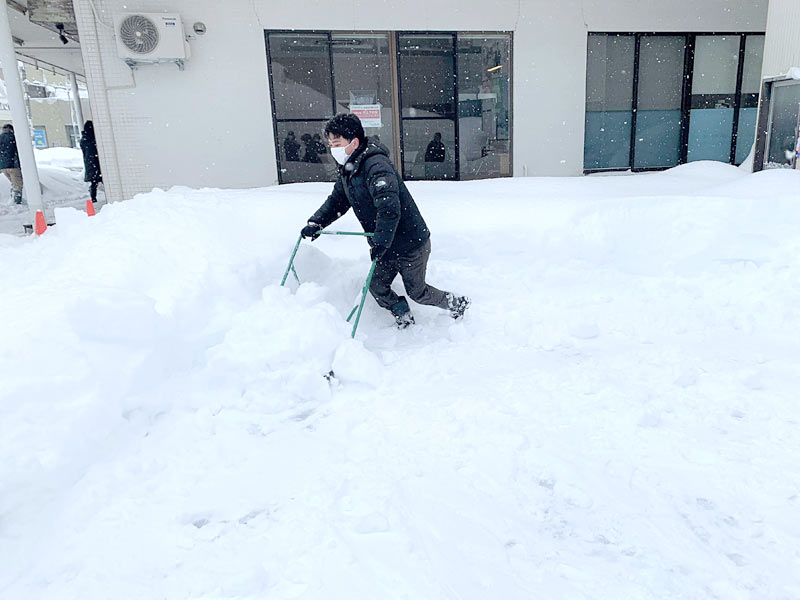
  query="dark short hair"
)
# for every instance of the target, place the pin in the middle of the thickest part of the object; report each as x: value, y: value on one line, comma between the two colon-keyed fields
x: 8, y: 127
x: 347, y: 126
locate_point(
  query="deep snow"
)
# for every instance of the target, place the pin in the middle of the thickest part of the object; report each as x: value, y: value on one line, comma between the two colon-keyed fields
x: 61, y: 177
x: 616, y: 417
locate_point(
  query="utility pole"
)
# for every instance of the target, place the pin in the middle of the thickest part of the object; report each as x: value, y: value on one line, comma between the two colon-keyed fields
x: 19, y: 116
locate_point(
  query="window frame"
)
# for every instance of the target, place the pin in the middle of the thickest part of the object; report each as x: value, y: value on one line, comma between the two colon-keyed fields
x: 394, y: 62
x: 688, y: 76
x: 765, y: 114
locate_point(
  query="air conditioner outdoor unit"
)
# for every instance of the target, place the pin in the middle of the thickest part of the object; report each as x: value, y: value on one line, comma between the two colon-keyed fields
x: 151, y: 38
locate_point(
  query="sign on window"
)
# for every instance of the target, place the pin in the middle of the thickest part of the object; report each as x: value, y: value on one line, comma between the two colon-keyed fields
x: 370, y: 114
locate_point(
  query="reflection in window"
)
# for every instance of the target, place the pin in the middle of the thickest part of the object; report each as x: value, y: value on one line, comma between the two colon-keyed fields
x: 609, y: 101
x: 659, y: 115
x: 428, y: 149
x: 301, y: 76
x: 716, y: 62
x: 362, y: 75
x: 642, y: 78
x: 427, y: 93
x: 484, y: 105
x: 751, y: 88
x: 303, y: 153
x: 426, y: 75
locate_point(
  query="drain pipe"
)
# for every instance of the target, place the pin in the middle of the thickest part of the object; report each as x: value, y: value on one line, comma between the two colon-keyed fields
x: 76, y: 100
x: 19, y: 116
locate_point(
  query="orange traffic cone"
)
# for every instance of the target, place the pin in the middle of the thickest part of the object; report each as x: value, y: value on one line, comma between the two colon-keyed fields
x: 40, y: 226
x: 90, y: 208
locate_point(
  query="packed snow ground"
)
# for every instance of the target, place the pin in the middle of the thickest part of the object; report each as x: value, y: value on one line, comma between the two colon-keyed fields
x: 616, y: 417
x: 61, y: 177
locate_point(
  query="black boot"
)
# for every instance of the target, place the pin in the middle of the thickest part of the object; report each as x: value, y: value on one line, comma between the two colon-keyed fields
x: 457, y: 305
x: 404, y: 320
x: 402, y: 314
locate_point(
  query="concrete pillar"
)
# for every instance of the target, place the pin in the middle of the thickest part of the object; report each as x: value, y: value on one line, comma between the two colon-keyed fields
x: 19, y: 116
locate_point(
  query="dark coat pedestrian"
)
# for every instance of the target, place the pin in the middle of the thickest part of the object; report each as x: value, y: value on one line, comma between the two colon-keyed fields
x: 9, y: 157
x: 91, y: 159
x: 9, y: 162
x: 369, y: 183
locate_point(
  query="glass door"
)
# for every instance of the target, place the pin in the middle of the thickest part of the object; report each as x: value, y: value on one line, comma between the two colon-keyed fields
x: 484, y: 105
x: 716, y: 64
x: 659, y: 106
x: 428, y: 115
x: 783, y: 125
x: 609, y: 101
x: 363, y: 82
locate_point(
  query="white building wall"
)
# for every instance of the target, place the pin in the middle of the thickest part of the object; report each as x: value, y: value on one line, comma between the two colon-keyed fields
x: 782, y: 45
x: 211, y: 124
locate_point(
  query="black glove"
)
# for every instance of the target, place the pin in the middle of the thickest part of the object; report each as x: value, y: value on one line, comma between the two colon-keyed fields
x: 311, y: 230
x: 377, y: 252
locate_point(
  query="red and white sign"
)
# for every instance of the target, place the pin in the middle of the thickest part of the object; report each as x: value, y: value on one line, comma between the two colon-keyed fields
x: 370, y: 114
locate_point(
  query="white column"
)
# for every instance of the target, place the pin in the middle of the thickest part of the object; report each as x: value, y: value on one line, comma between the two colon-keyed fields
x: 22, y: 131
x: 76, y: 99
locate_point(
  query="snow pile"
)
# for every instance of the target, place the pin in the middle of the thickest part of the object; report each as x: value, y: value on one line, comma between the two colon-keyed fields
x: 67, y: 158
x: 61, y: 177
x: 615, y: 418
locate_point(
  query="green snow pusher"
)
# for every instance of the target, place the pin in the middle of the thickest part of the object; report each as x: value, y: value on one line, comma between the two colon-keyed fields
x: 358, y: 307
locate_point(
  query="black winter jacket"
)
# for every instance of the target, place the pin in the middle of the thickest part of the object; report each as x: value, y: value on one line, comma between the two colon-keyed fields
x: 91, y: 160
x: 9, y: 158
x: 381, y: 201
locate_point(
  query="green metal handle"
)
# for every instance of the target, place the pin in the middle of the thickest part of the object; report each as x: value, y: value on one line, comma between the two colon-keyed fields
x: 367, y: 283
x: 323, y: 232
x: 363, y: 298
x: 291, y: 262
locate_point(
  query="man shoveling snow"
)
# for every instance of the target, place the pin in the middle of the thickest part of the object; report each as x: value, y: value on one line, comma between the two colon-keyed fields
x: 383, y: 205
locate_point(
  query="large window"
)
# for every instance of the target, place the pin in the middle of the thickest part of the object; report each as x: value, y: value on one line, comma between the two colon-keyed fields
x: 657, y: 100
x: 314, y: 76
x: 446, y: 95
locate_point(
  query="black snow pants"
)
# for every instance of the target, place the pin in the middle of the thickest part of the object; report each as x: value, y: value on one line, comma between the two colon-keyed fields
x: 412, y: 267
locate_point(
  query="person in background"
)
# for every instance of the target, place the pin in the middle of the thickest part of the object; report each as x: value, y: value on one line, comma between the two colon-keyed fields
x: 91, y: 160
x: 319, y: 145
x: 382, y: 203
x: 9, y: 162
x: 291, y: 148
x: 310, y: 152
x: 435, y: 150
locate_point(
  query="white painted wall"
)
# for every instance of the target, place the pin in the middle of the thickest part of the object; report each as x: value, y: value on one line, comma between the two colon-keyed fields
x: 211, y: 125
x: 782, y: 46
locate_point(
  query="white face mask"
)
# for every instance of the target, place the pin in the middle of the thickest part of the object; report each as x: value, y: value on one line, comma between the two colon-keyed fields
x: 340, y: 154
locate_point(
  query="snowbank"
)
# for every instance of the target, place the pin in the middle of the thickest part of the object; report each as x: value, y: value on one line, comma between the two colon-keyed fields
x: 61, y: 177
x: 616, y: 417
x: 67, y: 158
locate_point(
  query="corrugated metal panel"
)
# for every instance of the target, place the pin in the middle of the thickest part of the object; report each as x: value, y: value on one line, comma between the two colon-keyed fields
x: 782, y: 50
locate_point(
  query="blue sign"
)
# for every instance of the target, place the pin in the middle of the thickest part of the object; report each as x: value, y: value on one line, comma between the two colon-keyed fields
x: 40, y: 137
